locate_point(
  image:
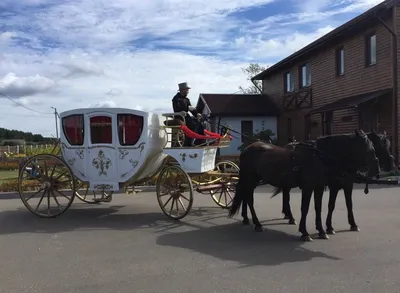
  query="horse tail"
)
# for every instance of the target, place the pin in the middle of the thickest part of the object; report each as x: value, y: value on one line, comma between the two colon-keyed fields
x: 237, y: 200
x: 276, y: 192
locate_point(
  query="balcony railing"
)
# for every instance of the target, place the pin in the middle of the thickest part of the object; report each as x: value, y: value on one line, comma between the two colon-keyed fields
x: 300, y: 99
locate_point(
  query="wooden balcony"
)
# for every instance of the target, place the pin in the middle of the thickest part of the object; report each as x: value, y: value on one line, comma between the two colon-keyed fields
x: 300, y: 99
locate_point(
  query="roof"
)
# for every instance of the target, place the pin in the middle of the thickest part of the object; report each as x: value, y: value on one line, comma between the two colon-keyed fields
x: 350, y: 102
x: 238, y: 105
x: 339, y: 31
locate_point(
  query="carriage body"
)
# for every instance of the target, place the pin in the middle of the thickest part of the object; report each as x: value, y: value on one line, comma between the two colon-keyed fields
x: 106, y: 149
x: 110, y: 146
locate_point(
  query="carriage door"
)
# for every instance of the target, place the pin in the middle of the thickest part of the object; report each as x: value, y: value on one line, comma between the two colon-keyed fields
x: 101, y: 152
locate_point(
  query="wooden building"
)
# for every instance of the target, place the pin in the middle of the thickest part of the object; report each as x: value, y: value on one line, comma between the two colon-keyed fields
x: 345, y: 80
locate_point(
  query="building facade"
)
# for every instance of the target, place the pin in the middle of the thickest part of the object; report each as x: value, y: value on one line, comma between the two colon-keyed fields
x: 345, y: 80
x: 247, y: 114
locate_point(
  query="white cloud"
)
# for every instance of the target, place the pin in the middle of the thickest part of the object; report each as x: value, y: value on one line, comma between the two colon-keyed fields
x: 280, y: 46
x: 79, y: 53
x: 17, y: 87
x: 6, y: 37
x: 139, y: 80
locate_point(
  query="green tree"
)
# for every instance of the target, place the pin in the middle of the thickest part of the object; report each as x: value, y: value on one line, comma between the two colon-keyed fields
x: 252, y: 70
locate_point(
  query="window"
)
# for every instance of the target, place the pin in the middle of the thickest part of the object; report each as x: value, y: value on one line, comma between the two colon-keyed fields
x: 130, y: 128
x: 247, y: 129
x: 340, y: 61
x: 305, y: 75
x: 100, y: 129
x: 73, y: 127
x: 289, y: 82
x: 370, y: 50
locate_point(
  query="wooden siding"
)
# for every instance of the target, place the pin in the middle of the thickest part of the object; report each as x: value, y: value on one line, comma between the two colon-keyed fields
x: 327, y: 87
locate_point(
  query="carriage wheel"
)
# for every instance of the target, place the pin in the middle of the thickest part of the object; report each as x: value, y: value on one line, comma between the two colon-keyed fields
x: 48, y: 188
x: 174, y: 192
x: 85, y: 195
x: 223, y: 197
x: 180, y: 137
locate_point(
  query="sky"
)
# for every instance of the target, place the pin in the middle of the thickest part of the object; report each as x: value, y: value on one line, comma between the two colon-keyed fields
x: 71, y: 54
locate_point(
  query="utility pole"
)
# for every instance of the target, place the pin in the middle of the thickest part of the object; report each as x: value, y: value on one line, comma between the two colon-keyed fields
x: 56, y: 118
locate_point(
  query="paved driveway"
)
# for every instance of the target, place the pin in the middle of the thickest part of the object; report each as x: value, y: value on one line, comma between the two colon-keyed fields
x: 128, y: 245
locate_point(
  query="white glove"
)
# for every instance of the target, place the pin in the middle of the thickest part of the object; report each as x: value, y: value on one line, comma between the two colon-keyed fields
x: 191, y: 108
x: 199, y: 115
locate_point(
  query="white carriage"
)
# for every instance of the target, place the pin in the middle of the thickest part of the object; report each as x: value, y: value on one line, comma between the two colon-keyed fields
x: 106, y: 149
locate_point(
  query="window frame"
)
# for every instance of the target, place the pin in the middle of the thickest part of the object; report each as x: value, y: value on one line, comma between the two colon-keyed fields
x: 368, y: 49
x: 91, y: 132
x: 285, y: 82
x: 340, y: 61
x: 307, y: 65
x: 83, y: 128
x: 120, y: 139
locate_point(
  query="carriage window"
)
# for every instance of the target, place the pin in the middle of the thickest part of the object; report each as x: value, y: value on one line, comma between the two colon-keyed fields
x: 100, y: 129
x: 130, y: 128
x: 73, y: 127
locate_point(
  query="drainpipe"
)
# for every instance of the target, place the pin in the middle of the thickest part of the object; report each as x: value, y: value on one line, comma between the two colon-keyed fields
x: 395, y: 85
x: 257, y: 87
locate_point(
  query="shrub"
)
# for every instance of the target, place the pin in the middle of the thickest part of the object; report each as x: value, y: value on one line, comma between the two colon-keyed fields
x: 263, y: 135
x: 11, y: 185
x: 9, y: 165
x: 42, y: 150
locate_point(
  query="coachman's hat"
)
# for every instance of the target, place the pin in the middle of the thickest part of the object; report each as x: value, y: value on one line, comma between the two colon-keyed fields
x: 183, y: 86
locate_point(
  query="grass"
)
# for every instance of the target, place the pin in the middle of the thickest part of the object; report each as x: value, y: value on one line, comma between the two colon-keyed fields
x: 6, y: 175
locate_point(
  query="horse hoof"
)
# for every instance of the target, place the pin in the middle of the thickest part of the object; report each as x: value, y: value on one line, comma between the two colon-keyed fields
x: 306, y: 238
x: 258, y: 229
x: 330, y: 232
x: 246, y: 222
x: 292, y: 222
x: 323, y: 236
x: 354, y: 229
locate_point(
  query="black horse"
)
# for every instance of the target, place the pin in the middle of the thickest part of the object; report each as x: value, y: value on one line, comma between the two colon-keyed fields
x: 303, y: 166
x: 345, y: 180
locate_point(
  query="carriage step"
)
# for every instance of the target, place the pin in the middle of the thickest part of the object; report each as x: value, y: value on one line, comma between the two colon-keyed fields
x: 209, y: 187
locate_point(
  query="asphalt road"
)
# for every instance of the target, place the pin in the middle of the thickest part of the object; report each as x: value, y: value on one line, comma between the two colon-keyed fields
x: 128, y: 245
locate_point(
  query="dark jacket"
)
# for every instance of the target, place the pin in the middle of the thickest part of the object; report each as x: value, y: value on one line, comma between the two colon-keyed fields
x: 180, y: 103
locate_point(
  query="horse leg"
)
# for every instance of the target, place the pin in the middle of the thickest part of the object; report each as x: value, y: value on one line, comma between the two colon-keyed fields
x: 305, y: 205
x: 348, y: 194
x: 333, y: 192
x: 256, y: 222
x: 246, y: 220
x: 318, y: 195
x: 286, y: 206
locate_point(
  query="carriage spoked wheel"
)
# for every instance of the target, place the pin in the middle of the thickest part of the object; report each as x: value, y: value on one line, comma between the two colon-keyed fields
x: 91, y: 197
x: 180, y: 137
x: 223, y: 196
x: 174, y: 192
x: 46, y: 185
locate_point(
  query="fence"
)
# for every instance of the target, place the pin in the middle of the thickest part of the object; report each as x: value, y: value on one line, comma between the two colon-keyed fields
x: 20, y: 149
